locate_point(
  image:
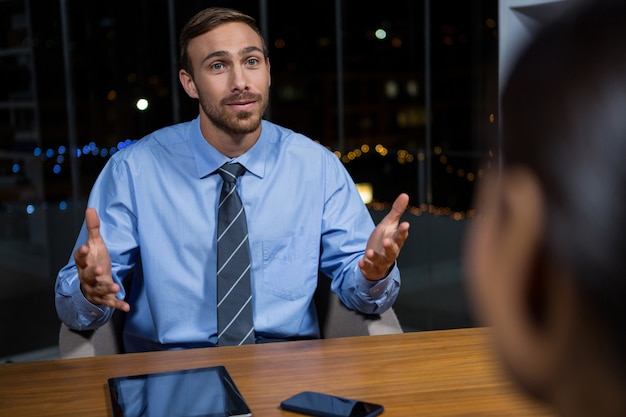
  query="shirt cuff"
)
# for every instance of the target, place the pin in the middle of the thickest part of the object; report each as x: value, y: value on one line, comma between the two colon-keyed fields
x: 378, y: 290
x: 87, y: 310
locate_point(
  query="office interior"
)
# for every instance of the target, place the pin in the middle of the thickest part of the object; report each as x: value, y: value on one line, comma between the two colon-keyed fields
x: 404, y: 92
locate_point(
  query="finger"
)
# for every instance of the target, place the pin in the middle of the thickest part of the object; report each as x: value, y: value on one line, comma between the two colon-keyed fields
x: 94, y: 285
x: 367, y: 268
x: 401, y: 234
x: 121, y: 305
x: 400, y: 205
x: 111, y: 301
x: 105, y: 293
x: 398, y: 208
x: 80, y: 256
x: 92, y: 222
x: 374, y: 265
x: 391, y: 245
x: 116, y: 303
x: 391, y: 250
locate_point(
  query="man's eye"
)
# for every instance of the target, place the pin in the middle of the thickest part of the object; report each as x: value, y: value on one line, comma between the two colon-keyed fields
x: 217, y: 66
x: 253, y: 61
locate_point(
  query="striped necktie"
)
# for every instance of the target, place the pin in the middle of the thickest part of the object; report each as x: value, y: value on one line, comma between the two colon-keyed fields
x: 234, y: 297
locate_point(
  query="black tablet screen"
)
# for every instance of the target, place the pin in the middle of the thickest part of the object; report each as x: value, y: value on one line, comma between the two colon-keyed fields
x: 200, y: 392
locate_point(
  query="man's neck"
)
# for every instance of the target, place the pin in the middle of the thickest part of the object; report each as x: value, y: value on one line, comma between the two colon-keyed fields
x: 230, y: 145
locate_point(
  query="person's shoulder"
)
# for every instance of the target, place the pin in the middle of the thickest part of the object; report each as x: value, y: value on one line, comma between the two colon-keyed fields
x: 164, y: 139
x: 283, y: 136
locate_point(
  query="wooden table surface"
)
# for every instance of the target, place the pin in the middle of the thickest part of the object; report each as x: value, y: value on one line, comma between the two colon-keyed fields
x: 434, y: 373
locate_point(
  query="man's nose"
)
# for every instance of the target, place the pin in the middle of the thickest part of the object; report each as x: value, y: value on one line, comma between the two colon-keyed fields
x: 239, y: 80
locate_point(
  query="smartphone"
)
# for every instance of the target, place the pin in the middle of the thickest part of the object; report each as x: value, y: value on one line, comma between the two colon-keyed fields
x: 325, y: 405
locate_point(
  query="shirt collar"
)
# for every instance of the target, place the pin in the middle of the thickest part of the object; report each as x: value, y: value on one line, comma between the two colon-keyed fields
x: 208, y: 159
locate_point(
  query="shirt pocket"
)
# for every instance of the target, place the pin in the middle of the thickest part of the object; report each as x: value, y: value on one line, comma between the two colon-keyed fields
x: 290, y: 266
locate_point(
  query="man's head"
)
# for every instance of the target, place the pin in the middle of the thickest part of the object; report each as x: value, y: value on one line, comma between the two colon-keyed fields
x: 207, y: 20
x: 545, y: 262
x: 224, y: 65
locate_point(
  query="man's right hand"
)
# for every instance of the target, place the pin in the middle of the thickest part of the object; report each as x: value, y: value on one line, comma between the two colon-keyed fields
x: 94, y: 267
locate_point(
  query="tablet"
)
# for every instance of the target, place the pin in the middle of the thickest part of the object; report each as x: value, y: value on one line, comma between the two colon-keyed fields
x: 206, y: 392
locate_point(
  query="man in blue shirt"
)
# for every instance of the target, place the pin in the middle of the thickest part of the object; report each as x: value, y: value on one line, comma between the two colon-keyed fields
x: 152, y: 213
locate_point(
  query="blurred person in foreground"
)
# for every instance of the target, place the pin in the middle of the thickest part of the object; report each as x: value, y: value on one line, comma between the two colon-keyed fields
x: 545, y: 260
x: 152, y: 213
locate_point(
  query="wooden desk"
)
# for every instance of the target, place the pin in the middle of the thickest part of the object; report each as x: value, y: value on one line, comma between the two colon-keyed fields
x: 437, y: 373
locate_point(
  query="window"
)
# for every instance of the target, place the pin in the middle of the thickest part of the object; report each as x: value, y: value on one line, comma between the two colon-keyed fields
x: 404, y: 92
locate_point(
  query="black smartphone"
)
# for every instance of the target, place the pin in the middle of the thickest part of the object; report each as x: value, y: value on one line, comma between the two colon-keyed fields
x: 325, y: 405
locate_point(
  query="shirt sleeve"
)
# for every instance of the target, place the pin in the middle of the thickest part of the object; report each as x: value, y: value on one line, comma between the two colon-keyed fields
x: 72, y: 306
x: 346, y: 228
x: 111, y: 196
x: 383, y: 292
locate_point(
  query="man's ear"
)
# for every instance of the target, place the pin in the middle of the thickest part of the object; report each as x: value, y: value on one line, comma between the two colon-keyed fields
x: 545, y: 285
x: 186, y: 80
x: 522, y: 236
x: 501, y: 247
x: 541, y: 297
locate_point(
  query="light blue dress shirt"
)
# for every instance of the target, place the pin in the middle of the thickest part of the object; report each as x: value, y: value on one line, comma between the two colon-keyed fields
x: 157, y: 202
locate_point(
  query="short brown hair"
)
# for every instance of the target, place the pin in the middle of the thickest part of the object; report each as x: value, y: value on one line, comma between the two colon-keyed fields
x: 207, y: 20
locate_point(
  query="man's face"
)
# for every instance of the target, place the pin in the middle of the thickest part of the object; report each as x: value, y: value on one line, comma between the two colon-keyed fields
x: 231, y: 77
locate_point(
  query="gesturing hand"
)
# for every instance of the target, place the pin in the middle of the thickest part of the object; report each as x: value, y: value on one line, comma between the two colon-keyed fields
x: 94, y: 267
x: 385, y: 242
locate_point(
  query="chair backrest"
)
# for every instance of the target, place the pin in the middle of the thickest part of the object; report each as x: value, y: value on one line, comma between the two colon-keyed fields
x: 335, y: 320
x: 105, y: 340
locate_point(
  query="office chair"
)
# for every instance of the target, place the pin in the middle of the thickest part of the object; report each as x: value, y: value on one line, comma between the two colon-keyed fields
x: 335, y: 320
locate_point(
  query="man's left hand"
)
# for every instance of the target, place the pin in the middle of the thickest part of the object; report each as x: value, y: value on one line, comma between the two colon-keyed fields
x: 385, y: 242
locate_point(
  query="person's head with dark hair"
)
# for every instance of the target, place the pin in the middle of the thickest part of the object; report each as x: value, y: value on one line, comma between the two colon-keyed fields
x: 225, y: 66
x: 207, y: 20
x: 545, y: 261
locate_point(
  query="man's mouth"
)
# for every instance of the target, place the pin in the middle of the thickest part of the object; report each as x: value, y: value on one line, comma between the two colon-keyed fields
x: 241, y: 103
x: 242, y: 99
x: 242, y: 106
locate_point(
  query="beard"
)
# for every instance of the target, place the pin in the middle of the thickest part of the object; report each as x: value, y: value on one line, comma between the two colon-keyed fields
x: 240, y: 123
